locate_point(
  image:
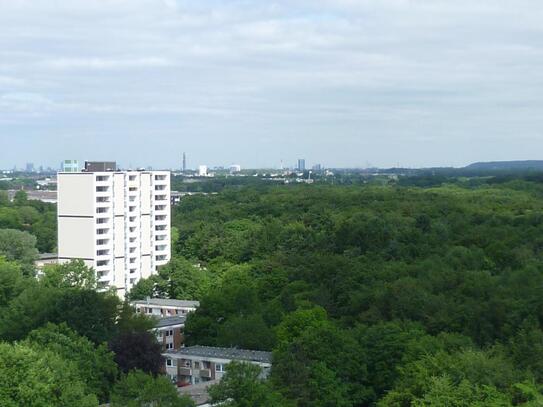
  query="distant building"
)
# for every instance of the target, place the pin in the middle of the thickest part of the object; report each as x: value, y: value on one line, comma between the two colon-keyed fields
x: 301, y: 165
x: 196, y: 364
x: 202, y: 170
x: 317, y: 167
x: 69, y: 166
x: 184, y: 162
x: 235, y: 168
x: 29, y: 167
x: 117, y: 222
x: 46, y: 182
x: 169, y: 332
x: 39, y: 195
x: 159, y: 307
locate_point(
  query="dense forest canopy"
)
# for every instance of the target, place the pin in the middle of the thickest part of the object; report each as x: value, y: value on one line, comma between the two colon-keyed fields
x: 390, y: 295
x: 421, y: 291
x: 36, y: 217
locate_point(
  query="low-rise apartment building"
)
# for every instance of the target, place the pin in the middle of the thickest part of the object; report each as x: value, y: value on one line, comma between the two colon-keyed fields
x: 199, y: 364
x: 159, y: 307
x: 169, y: 332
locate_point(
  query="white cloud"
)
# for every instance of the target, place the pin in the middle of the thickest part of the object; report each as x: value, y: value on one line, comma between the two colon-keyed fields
x: 376, y: 70
x: 104, y: 63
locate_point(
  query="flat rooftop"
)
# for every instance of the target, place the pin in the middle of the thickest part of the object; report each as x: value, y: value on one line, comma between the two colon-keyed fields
x: 170, y: 321
x: 224, y: 353
x: 167, y: 302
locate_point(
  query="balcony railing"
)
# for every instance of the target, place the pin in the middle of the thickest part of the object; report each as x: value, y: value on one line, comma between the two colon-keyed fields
x: 185, y: 371
x: 205, y: 373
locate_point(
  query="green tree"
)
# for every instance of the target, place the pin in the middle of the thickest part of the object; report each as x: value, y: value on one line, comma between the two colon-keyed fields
x: 178, y: 279
x: 20, y: 246
x: 4, y: 198
x: 138, y: 389
x: 12, y: 281
x: 95, y: 363
x: 443, y: 392
x: 37, y: 378
x: 138, y: 350
x: 74, y: 274
x: 479, y: 374
x: 316, y: 363
x: 88, y: 312
x: 243, y: 386
x: 20, y: 198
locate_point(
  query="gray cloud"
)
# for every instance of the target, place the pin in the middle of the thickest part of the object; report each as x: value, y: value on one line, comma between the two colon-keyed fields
x: 342, y: 82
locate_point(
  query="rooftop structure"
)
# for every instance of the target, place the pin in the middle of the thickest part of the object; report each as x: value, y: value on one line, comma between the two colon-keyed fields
x: 226, y: 353
x: 170, y: 321
x: 100, y: 166
x: 69, y: 166
x: 164, y: 302
x: 162, y: 308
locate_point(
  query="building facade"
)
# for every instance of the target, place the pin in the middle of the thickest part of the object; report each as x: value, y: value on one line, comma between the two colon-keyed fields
x: 198, y: 364
x: 301, y: 164
x: 169, y: 333
x: 161, y: 308
x: 117, y: 222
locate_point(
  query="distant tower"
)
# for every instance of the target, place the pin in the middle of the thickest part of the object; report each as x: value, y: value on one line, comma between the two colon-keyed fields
x: 184, y: 162
x: 301, y: 164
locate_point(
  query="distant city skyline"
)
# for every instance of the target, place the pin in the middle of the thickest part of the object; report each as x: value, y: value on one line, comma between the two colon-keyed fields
x: 339, y: 82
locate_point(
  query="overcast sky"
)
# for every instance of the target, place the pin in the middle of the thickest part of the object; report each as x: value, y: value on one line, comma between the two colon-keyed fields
x: 338, y: 82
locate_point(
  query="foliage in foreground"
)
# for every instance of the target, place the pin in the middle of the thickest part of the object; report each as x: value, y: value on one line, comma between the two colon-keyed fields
x: 137, y: 389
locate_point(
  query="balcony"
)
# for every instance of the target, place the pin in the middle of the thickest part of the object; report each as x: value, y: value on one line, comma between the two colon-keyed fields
x: 160, y: 248
x: 160, y: 198
x: 205, y: 373
x: 185, y: 371
x: 103, y: 275
x: 105, y: 270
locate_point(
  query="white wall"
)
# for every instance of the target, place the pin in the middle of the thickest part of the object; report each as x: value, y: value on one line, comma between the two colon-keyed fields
x: 76, y: 237
x: 76, y: 194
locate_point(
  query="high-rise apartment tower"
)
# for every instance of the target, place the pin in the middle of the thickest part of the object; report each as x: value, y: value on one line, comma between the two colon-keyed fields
x: 117, y: 222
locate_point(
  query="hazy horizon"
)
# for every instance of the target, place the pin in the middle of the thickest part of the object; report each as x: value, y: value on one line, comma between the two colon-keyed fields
x: 345, y: 83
